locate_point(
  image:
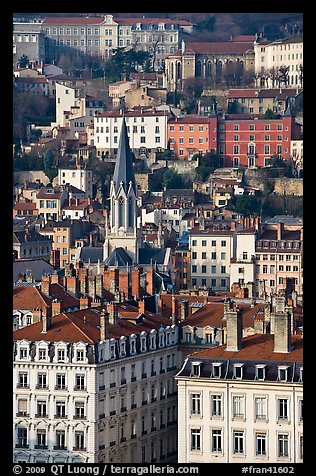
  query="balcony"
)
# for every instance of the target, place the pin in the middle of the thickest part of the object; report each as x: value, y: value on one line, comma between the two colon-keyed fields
x: 153, y: 428
x: 133, y: 436
x: 123, y: 381
x: 101, y: 416
x: 144, y: 402
x: 102, y: 387
x: 154, y: 399
x: 24, y: 414
x: 153, y: 374
x: 144, y: 375
x: 112, y: 443
x: 60, y: 447
x: 144, y: 432
x: 41, y: 447
x: 113, y: 412
x: 134, y: 405
x: 21, y: 445
x: 79, y: 448
x: 133, y: 379
x: 101, y: 447
x: 79, y: 417
x: 41, y: 415
x: 123, y: 409
x: 83, y: 389
x: 42, y: 387
x: 61, y: 387
x: 122, y: 440
x: 112, y: 384
x: 62, y: 415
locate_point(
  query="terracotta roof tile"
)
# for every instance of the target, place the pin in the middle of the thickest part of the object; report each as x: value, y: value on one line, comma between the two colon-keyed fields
x: 29, y: 297
x: 220, y: 47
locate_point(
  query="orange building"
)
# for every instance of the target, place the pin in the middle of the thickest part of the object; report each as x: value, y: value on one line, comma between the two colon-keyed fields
x: 191, y: 134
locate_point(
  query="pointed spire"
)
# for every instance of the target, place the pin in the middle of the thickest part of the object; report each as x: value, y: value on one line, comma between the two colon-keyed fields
x: 123, y: 171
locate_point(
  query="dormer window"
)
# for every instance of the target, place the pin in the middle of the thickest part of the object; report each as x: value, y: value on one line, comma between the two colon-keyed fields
x: 260, y: 372
x: 80, y: 355
x: 216, y: 370
x: 196, y: 369
x: 301, y: 374
x: 153, y: 341
x: 61, y: 355
x: 133, y: 347
x: 238, y: 371
x: 42, y: 354
x: 112, y: 351
x: 23, y: 353
x: 143, y: 343
x: 123, y: 348
x: 282, y: 373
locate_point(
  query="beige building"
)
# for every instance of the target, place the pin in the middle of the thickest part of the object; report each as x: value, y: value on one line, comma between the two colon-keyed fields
x: 91, y: 387
x: 270, y: 56
x: 243, y: 402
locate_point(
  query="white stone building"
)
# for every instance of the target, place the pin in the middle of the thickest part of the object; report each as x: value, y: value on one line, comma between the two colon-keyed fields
x: 272, y: 55
x: 243, y: 402
x: 90, y: 386
x: 211, y: 253
x: 146, y: 129
x: 242, y: 266
x: 79, y: 177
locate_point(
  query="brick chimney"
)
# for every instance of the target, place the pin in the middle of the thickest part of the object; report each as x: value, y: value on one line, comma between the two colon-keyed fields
x: 46, y: 320
x: 141, y: 306
x: 56, y: 307
x: 54, y: 278
x: 173, y: 306
x: 91, y: 286
x: 124, y: 282
x: 150, y: 280
x: 136, y: 282
x: 37, y: 314
x: 45, y: 285
x: 72, y: 285
x: 85, y: 302
x: 234, y: 324
x: 112, y: 311
x: 280, y: 230
x: 104, y: 325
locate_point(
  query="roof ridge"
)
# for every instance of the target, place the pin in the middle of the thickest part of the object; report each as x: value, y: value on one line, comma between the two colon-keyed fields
x: 78, y: 327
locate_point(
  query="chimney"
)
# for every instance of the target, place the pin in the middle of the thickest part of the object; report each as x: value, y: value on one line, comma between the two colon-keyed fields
x: 112, y: 311
x: 72, y: 285
x: 136, y: 282
x: 234, y: 324
x: 173, y: 306
x: 56, y: 307
x: 46, y: 320
x: 294, y: 298
x: 280, y: 229
x: 141, y: 306
x: 45, y: 285
x: 259, y: 326
x: 150, y: 280
x: 124, y: 282
x: 91, y: 286
x: 282, y: 331
x: 95, y: 302
x: 99, y: 285
x: 37, y: 315
x: 104, y: 325
x: 54, y: 278
x: 85, y: 302
x: 184, y: 309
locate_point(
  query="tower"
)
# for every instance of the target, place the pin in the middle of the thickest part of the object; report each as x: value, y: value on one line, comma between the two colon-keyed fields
x: 121, y: 231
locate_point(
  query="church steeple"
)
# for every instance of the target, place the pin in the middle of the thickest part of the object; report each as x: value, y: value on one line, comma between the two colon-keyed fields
x: 123, y: 171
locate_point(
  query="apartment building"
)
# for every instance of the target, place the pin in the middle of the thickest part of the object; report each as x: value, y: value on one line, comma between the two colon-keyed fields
x: 246, y: 140
x: 270, y: 56
x: 31, y: 244
x: 146, y: 129
x: 99, y: 36
x: 93, y: 386
x: 258, y: 101
x: 28, y: 40
x: 211, y: 252
x: 49, y: 202
x: 79, y: 177
x: 243, y: 402
x: 279, y: 258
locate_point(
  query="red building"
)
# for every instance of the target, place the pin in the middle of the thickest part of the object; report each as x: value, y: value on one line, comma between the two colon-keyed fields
x: 243, y: 140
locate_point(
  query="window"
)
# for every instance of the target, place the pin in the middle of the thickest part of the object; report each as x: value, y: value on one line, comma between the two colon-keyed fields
x: 196, y: 368
x: 80, y: 381
x: 260, y: 372
x: 195, y: 404
x: 216, y: 405
x: 23, y: 353
x: 79, y: 440
x: 216, y: 370
x: 216, y: 441
x: 79, y: 410
x: 195, y: 440
x: 22, y: 438
x: 60, y: 440
x: 261, y: 444
x: 60, y: 409
x: 41, y: 408
x: 41, y: 380
x: 61, y: 381
x: 61, y: 355
x: 22, y: 407
x: 41, y: 439
x: 283, y: 413
x: 23, y: 379
x: 238, y: 439
x: 238, y: 371
x: 283, y: 445
x: 282, y: 374
x: 261, y: 408
x: 238, y: 406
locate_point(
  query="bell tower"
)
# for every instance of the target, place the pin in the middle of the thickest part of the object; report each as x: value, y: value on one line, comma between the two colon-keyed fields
x: 121, y: 230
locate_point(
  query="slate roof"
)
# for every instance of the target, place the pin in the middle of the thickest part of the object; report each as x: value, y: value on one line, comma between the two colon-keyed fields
x: 37, y: 268
x: 28, y: 237
x: 123, y: 171
x: 91, y: 253
x: 118, y: 257
x: 152, y: 255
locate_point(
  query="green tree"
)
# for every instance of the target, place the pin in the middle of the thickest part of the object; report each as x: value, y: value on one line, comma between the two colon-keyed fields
x: 248, y: 205
x: 172, y: 179
x: 269, y: 114
x: 203, y: 172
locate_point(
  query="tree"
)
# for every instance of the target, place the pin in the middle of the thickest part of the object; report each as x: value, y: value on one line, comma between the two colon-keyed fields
x: 269, y: 114
x: 24, y: 61
x: 248, y: 205
x: 172, y: 180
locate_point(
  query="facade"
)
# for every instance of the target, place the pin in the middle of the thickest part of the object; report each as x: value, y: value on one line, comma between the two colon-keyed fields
x: 209, y: 61
x: 279, y: 259
x: 99, y: 390
x: 270, y: 56
x: 30, y: 244
x: 242, y: 266
x: 28, y: 40
x: 258, y: 101
x: 242, y: 140
x: 211, y: 253
x: 49, y: 202
x: 79, y: 177
x: 243, y: 402
x: 146, y: 129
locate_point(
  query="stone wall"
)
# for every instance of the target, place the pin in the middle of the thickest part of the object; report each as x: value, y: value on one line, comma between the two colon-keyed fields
x: 288, y: 186
x: 31, y: 176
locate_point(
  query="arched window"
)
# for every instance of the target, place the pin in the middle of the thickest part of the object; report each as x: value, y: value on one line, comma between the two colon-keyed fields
x: 208, y: 69
x: 121, y: 211
x: 113, y: 211
x: 171, y: 70
x: 130, y: 212
x: 178, y: 70
x: 219, y: 68
x: 199, y: 68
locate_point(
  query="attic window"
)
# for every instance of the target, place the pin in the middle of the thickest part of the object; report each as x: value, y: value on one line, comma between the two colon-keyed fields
x: 216, y: 370
x: 238, y: 371
x: 196, y: 369
x: 282, y: 373
x: 260, y: 372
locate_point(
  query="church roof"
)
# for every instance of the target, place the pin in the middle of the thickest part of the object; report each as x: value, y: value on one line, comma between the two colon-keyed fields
x: 118, y: 257
x: 123, y: 171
